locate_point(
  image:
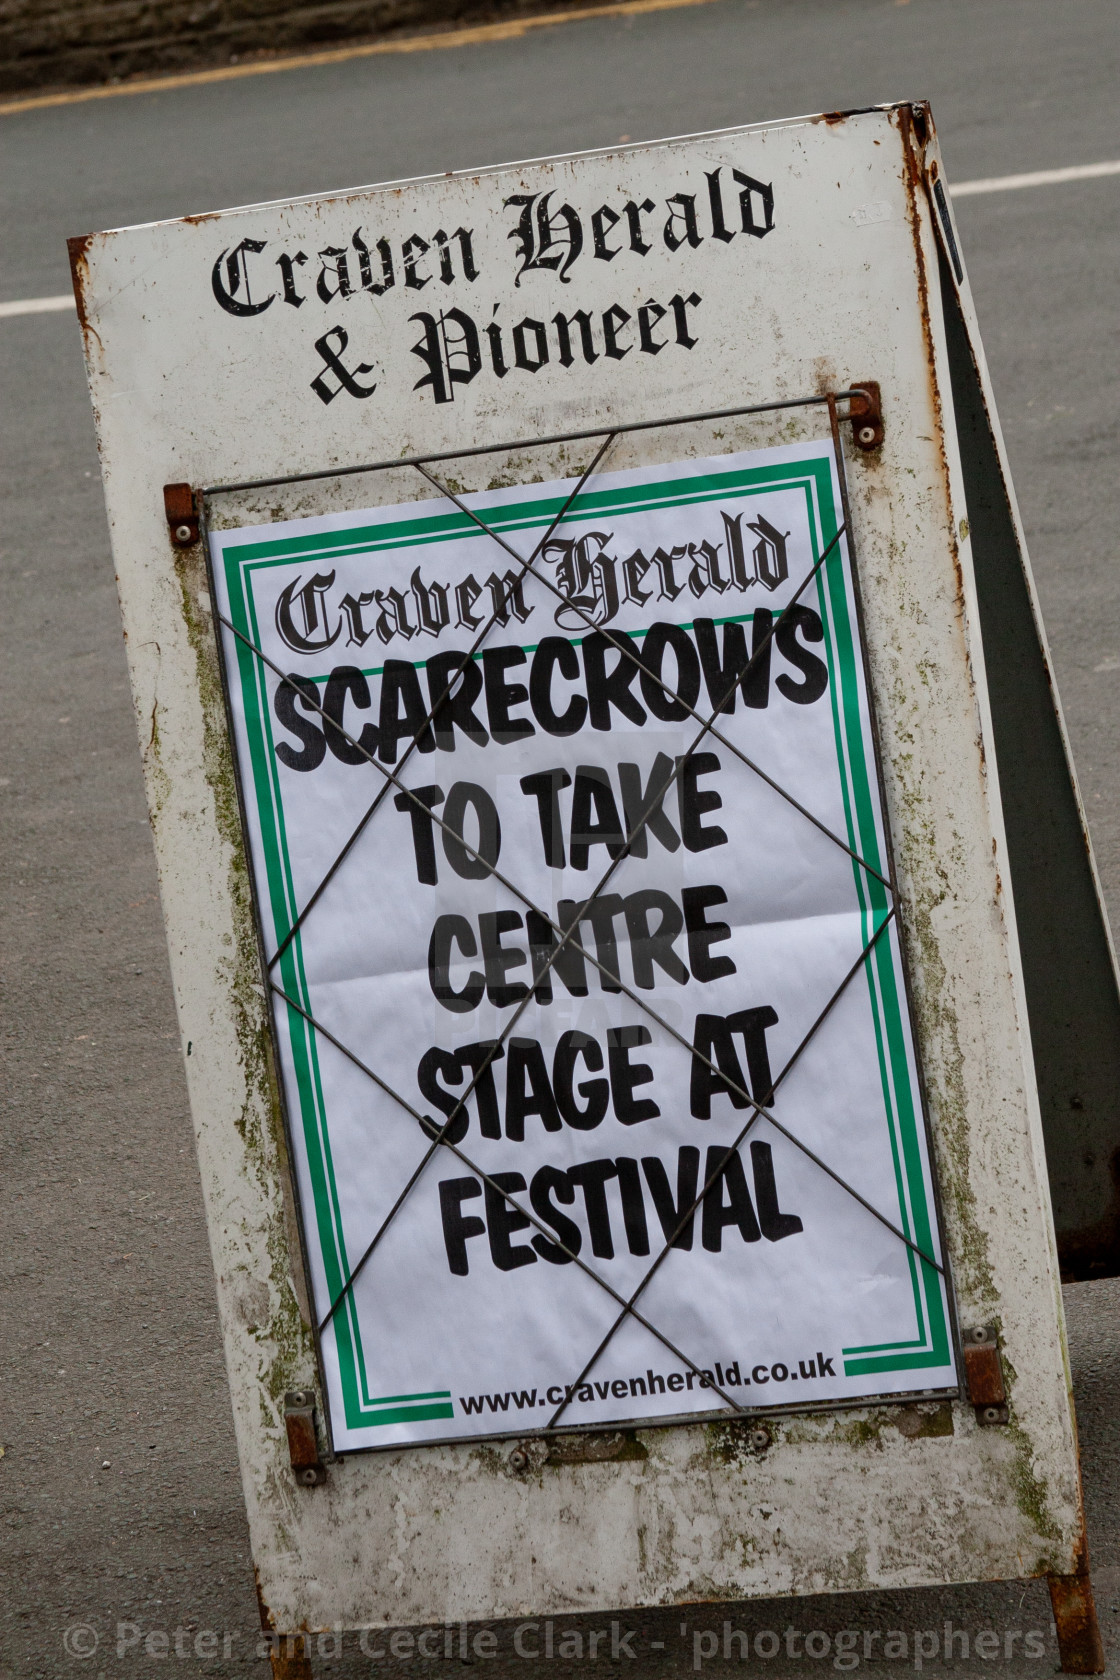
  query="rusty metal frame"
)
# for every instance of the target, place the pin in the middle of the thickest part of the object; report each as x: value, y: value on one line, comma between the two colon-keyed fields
x: 863, y: 406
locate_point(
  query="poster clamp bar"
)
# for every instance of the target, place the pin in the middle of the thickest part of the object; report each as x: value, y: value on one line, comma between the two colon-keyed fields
x: 863, y: 400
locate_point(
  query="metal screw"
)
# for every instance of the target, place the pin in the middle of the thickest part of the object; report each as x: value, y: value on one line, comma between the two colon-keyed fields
x: 980, y: 1333
x: 308, y: 1477
x: 993, y: 1414
x: 867, y: 434
x: 519, y: 1459
x: 760, y: 1439
x: 183, y: 533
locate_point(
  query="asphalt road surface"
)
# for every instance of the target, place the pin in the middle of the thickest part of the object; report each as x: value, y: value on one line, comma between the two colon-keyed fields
x: 119, y: 1489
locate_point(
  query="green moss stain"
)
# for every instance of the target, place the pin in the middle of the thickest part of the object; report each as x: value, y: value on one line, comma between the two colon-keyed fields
x: 260, y: 1123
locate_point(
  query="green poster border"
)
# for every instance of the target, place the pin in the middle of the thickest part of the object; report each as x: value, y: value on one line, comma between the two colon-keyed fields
x: 930, y: 1348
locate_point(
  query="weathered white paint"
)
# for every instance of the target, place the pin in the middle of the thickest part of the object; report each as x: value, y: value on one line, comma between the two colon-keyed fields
x: 185, y: 392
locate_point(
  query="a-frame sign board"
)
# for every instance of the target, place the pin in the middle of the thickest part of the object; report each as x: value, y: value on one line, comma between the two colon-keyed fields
x: 558, y: 600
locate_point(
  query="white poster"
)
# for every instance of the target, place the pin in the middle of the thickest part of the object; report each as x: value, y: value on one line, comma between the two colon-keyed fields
x: 601, y: 1146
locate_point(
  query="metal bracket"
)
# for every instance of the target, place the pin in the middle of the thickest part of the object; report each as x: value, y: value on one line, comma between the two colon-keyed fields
x: 1075, y: 1617
x: 182, y: 514
x: 303, y: 1444
x: 865, y: 411
x: 983, y: 1373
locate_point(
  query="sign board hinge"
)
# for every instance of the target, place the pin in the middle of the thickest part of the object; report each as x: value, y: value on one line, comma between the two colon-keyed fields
x: 303, y: 1443
x: 865, y: 411
x: 983, y: 1374
x: 182, y: 514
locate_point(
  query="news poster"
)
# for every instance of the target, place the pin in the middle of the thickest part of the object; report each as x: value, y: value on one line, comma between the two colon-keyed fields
x: 523, y: 1024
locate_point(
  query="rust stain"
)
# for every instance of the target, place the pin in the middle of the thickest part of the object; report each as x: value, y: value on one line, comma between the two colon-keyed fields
x: 268, y: 1620
x: 78, y: 249
x: 1075, y: 1615
x: 984, y: 1375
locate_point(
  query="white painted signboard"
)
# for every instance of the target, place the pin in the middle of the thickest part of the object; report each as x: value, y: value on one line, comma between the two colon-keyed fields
x: 570, y: 766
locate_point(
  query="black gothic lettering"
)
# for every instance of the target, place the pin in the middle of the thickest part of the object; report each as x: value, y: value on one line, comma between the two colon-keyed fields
x: 634, y: 213
x: 680, y: 306
x: 682, y: 209
x: 533, y: 358
x: 286, y: 266
x: 365, y: 264
x: 331, y: 348
x: 585, y: 573
x: 602, y: 221
x: 236, y: 279
x: 752, y: 189
x: 614, y: 319
x: 304, y: 601
x: 648, y: 316
x: 449, y: 349
x: 545, y: 238
x: 340, y: 271
x: 563, y: 324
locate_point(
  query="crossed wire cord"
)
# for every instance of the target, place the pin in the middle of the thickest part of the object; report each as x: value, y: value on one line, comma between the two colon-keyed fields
x: 623, y: 646
x: 641, y: 1004
x: 526, y: 567
x: 567, y: 935
x: 760, y: 1111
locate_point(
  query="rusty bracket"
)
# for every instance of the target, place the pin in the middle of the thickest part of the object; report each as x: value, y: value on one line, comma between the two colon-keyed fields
x: 983, y: 1374
x: 182, y: 514
x: 303, y: 1444
x: 1075, y: 1618
x: 865, y: 411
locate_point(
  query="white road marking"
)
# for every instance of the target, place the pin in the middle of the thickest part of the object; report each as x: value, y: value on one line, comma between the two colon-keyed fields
x: 38, y: 306
x: 1038, y: 178
x: 963, y: 189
